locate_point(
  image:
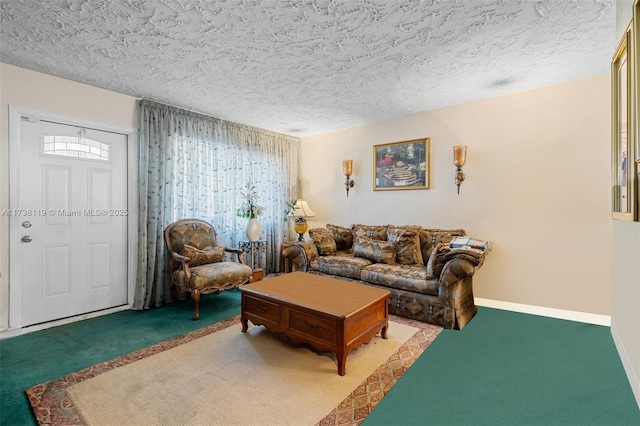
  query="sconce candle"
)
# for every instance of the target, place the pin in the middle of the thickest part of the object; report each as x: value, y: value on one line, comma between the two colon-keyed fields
x: 459, y: 155
x: 459, y: 159
x: 347, y: 168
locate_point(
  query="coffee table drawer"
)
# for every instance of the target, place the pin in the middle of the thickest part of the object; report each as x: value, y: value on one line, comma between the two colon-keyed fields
x: 313, y: 326
x: 262, y: 309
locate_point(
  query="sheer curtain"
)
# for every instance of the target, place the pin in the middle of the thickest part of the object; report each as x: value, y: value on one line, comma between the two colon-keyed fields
x: 192, y: 165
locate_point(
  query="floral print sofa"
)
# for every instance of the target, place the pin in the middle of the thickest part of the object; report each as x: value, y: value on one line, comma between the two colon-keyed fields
x: 428, y: 271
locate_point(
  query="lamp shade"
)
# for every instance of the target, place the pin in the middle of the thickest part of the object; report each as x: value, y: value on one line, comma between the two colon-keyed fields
x: 302, y: 209
x: 459, y: 155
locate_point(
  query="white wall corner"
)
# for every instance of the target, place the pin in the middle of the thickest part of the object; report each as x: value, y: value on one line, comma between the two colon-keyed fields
x: 632, y: 376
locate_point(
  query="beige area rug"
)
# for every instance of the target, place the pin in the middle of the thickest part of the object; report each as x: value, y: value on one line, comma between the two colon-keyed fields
x: 220, y: 376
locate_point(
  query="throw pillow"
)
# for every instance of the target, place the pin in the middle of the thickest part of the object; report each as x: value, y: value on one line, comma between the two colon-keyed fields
x: 375, y: 232
x: 323, y: 239
x: 342, y: 236
x: 423, y: 237
x: 199, y: 257
x: 437, y: 260
x: 429, y: 238
x: 465, y: 242
x: 375, y: 250
x: 407, y: 245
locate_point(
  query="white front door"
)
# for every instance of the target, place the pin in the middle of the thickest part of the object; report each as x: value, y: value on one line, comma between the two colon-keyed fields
x: 71, y: 215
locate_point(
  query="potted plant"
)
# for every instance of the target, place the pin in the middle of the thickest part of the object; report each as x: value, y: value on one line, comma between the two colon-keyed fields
x: 251, y: 209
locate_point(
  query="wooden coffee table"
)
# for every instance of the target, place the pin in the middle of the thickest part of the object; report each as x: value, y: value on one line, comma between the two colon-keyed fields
x: 326, y: 313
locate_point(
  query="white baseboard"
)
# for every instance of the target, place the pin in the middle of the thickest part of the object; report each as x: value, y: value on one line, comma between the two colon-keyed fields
x: 632, y: 376
x: 13, y: 332
x: 546, y: 312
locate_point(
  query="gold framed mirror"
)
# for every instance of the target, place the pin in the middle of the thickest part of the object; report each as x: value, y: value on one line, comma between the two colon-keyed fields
x: 623, y: 174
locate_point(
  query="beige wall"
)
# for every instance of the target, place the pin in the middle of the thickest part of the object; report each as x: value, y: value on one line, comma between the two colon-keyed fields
x: 21, y: 87
x: 537, y: 181
x: 538, y: 171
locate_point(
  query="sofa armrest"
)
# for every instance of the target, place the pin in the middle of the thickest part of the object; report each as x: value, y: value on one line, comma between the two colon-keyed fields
x: 455, y: 270
x: 179, y: 258
x: 237, y: 252
x: 180, y: 261
x: 300, y: 254
x: 473, y: 256
x: 456, y: 289
x: 294, y: 255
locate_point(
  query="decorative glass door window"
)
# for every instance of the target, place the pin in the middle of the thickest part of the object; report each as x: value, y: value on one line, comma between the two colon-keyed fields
x: 75, y: 147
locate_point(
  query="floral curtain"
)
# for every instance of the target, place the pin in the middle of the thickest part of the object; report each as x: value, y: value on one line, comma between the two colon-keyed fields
x: 192, y: 165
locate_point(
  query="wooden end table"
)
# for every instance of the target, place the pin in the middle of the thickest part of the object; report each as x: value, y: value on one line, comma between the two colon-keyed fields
x: 326, y: 313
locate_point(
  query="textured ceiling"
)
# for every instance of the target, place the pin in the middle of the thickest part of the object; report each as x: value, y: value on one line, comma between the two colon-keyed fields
x: 310, y: 67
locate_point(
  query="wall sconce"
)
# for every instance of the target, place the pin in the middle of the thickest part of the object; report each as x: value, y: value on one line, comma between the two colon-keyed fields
x: 301, y: 210
x: 347, y: 168
x: 459, y: 158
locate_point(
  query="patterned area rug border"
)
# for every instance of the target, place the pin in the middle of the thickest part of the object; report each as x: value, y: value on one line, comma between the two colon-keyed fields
x: 52, y: 406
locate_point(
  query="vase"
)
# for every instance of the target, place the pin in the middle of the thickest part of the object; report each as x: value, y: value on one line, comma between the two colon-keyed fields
x: 254, y: 230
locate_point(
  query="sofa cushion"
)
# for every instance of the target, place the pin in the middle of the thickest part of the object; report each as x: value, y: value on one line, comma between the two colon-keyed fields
x: 323, y: 239
x: 199, y: 257
x: 342, y: 236
x: 375, y: 250
x: 375, y: 232
x: 407, y: 245
x: 222, y: 275
x: 437, y: 260
x: 429, y: 238
x: 403, y: 277
x: 342, y: 265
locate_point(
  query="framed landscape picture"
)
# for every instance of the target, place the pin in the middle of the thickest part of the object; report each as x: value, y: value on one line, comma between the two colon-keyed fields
x: 401, y: 165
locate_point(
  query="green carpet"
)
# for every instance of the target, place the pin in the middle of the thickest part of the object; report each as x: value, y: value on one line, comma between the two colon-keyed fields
x: 507, y: 368
x: 502, y: 369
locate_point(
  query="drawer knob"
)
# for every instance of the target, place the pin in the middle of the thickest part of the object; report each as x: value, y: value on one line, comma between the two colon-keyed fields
x: 260, y: 309
x: 310, y: 325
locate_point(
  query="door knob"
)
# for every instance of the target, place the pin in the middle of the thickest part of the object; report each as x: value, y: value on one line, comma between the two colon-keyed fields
x: 26, y: 224
x: 26, y: 239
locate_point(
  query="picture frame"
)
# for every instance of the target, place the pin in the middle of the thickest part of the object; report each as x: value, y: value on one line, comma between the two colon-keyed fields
x: 634, y: 36
x: 623, y: 157
x: 402, y: 165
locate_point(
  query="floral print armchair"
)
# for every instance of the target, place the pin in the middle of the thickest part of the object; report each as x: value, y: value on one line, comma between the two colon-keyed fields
x: 198, y: 265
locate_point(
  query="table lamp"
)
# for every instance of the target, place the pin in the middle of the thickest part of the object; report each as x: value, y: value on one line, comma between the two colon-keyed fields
x: 300, y: 211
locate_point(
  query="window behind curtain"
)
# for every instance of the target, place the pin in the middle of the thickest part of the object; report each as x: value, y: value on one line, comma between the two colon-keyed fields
x: 193, y: 165
x: 209, y: 177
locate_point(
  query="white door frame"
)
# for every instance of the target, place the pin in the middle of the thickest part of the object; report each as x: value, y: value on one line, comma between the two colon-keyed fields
x: 15, y: 115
